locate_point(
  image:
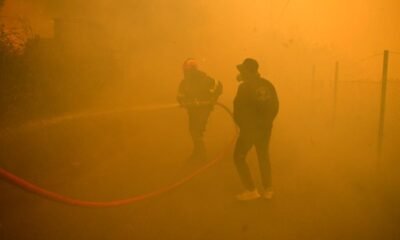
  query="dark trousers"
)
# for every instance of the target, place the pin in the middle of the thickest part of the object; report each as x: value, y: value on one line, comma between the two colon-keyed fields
x: 259, y: 138
x: 198, y: 118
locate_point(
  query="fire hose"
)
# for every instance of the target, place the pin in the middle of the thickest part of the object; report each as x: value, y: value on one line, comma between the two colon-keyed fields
x: 37, y: 190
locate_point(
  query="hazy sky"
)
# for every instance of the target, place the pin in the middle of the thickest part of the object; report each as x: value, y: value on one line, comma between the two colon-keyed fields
x: 341, y: 25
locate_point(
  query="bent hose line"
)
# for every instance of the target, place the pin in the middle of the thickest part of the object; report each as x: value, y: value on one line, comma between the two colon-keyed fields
x: 30, y: 187
x: 25, y: 185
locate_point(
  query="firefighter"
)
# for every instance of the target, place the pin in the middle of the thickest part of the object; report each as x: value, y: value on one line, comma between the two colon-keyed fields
x: 255, y: 108
x: 198, y: 93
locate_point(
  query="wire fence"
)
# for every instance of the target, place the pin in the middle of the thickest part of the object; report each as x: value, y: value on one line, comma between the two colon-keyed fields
x: 365, y: 99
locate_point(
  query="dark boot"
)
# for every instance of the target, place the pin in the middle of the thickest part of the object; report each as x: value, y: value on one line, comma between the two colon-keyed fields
x: 199, y: 151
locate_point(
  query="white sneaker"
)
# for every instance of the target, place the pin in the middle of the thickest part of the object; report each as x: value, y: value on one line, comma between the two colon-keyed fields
x: 248, y: 195
x: 268, y: 193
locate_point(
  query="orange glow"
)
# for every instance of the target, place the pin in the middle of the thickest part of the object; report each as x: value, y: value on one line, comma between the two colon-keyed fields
x: 80, y: 59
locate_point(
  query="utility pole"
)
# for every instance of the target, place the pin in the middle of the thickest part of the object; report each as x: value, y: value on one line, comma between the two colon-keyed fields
x: 383, y: 105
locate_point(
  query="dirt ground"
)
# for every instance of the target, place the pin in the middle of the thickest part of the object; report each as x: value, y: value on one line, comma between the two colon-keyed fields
x: 321, y: 190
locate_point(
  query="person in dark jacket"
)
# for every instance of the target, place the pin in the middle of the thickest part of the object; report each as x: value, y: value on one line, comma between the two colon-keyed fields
x: 255, y: 108
x: 198, y: 93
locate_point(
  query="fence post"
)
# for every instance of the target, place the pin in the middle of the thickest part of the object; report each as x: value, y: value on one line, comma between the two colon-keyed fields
x: 313, y: 73
x: 335, y: 90
x: 383, y: 105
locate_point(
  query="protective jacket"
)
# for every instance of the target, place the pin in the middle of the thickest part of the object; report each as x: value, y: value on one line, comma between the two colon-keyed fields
x: 256, y: 104
x: 198, y: 89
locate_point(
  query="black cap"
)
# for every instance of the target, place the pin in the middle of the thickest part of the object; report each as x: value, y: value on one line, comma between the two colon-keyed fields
x: 248, y: 65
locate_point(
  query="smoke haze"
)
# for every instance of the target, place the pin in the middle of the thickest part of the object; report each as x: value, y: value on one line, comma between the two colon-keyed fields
x: 102, y: 55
